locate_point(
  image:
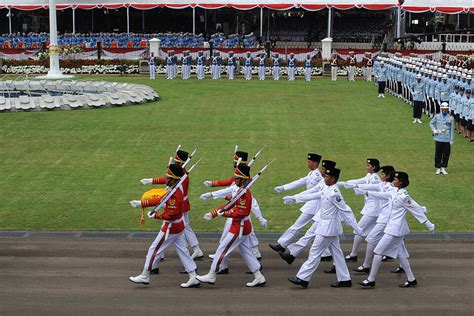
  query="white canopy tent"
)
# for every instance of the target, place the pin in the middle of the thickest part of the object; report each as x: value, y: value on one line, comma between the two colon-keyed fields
x: 442, y: 6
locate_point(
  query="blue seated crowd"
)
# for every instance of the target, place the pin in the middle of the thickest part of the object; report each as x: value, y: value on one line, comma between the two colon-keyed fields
x: 123, y: 40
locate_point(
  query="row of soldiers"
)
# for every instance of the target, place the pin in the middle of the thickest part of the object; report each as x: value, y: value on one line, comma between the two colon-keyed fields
x: 382, y: 225
x: 217, y: 63
x: 426, y: 84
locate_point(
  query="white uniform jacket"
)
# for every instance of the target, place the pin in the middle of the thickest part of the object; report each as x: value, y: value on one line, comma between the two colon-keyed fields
x: 371, y: 205
x: 332, y: 210
x: 311, y: 180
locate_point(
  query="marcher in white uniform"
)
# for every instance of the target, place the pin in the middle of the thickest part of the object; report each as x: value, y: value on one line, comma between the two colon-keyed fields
x: 238, y: 235
x: 371, y: 210
x: 295, y: 249
x: 248, y: 66
x: 308, y: 68
x: 261, y: 67
x: 334, y: 64
x: 308, y: 210
x: 169, y: 66
x: 382, y: 191
x: 392, y: 243
x: 231, y: 64
x: 215, y: 66
x: 200, y: 65
x: 351, y: 65
x: 333, y: 210
x: 292, y: 64
x: 171, y: 233
x: 152, y: 63
x: 276, y: 67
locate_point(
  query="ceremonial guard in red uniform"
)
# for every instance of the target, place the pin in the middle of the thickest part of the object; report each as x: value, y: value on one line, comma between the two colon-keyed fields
x: 241, y: 227
x: 191, y: 239
x: 172, y: 230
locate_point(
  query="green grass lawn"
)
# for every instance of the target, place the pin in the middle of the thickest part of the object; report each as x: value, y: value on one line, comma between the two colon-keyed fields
x: 77, y: 170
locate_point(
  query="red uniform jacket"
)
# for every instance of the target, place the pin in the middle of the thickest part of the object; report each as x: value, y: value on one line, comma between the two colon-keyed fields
x: 240, y: 210
x: 368, y: 62
x: 222, y: 183
x: 172, y: 210
x: 186, y: 205
x: 351, y: 61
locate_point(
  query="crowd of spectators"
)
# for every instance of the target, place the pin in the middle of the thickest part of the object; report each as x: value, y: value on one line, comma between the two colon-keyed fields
x: 123, y: 40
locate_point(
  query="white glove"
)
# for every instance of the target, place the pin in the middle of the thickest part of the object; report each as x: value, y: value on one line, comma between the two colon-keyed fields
x: 349, y: 185
x: 263, y: 222
x: 289, y: 200
x: 430, y: 226
x: 207, y: 216
x: 451, y: 143
x: 358, y: 230
x: 151, y: 214
x: 135, y: 203
x: 340, y: 184
x: 208, y: 184
x: 146, y: 181
x: 279, y: 189
x: 359, y: 191
x: 435, y: 132
x: 205, y: 196
x: 220, y: 213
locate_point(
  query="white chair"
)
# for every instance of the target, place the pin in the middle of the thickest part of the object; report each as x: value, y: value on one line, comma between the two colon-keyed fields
x: 116, y: 98
x: 5, y: 104
x: 95, y: 100
x: 48, y: 102
x: 73, y: 101
x: 25, y: 103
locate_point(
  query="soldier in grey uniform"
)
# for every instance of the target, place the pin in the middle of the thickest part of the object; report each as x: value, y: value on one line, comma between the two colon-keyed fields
x: 276, y: 67
x: 442, y: 125
x: 261, y: 67
x: 292, y: 64
x: 231, y: 63
x: 248, y: 66
x: 200, y: 65
x: 308, y: 68
x: 334, y: 64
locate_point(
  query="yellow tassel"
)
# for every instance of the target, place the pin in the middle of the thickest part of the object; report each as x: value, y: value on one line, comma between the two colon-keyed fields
x: 142, y: 218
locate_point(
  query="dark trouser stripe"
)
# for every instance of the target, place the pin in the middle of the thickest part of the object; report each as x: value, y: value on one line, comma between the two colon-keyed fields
x: 150, y: 265
x: 224, y: 252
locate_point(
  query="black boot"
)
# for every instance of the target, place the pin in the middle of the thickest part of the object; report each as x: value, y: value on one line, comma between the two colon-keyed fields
x: 155, y: 271
x: 398, y: 270
x: 298, y: 281
x: 342, y: 284
x: 287, y: 257
x: 332, y: 270
x: 409, y: 284
x: 349, y: 258
x: 277, y: 247
x: 367, y: 283
x: 223, y: 271
x: 361, y: 269
x: 327, y: 258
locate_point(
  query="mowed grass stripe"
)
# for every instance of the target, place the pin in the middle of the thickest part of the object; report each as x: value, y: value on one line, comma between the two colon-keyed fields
x: 77, y: 170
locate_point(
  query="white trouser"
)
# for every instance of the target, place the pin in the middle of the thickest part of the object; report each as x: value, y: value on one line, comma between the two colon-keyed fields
x: 214, y: 71
x: 191, y: 238
x: 291, y: 73
x: 368, y: 73
x: 252, y: 237
x: 152, y: 71
x: 333, y: 73
x: 366, y: 223
x: 226, y: 246
x: 183, y: 72
x: 307, y: 74
x: 376, y: 233
x: 248, y: 72
x: 392, y: 246
x: 219, y: 71
x: 296, y: 248
x: 287, y: 237
x: 276, y: 73
x: 173, y: 72
x: 350, y: 73
x: 159, y: 245
x: 261, y: 73
x: 230, y: 72
x: 169, y: 72
x: 319, y: 245
x: 200, y: 72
